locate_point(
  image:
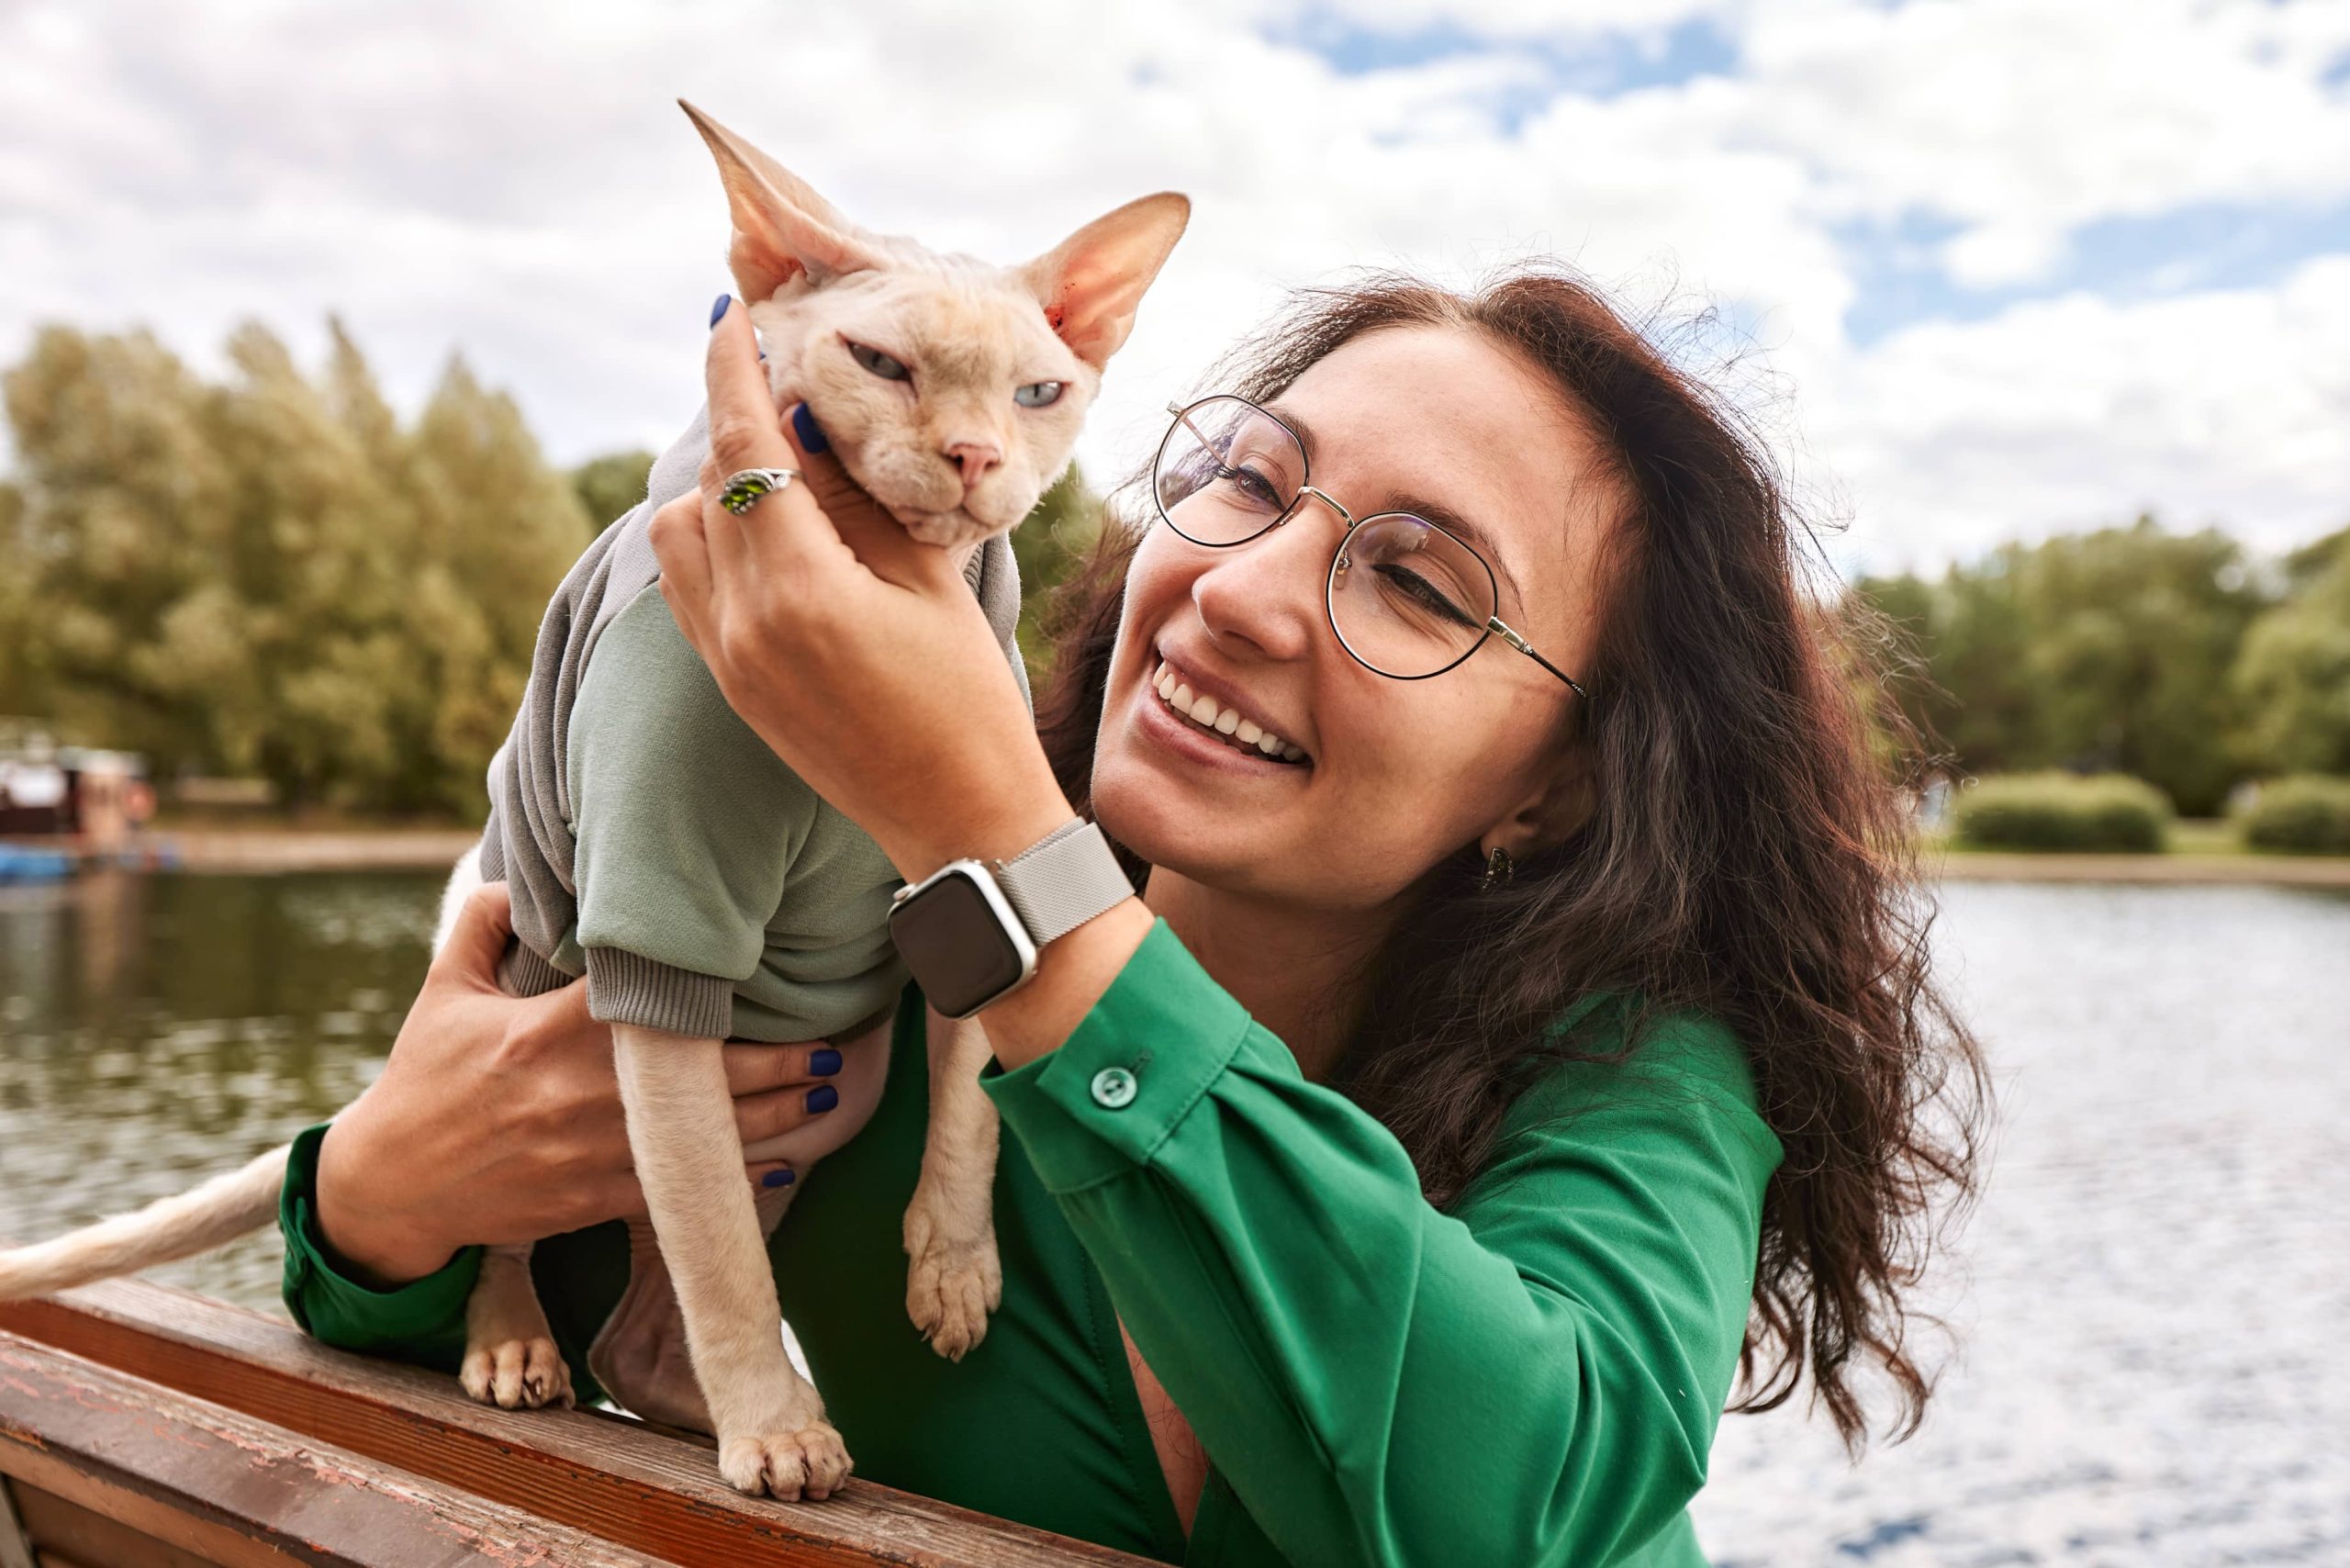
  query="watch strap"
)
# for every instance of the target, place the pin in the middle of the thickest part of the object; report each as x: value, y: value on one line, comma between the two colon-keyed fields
x: 1063, y: 880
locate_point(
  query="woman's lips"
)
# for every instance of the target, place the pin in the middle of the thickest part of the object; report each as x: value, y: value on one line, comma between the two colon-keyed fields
x: 1198, y: 744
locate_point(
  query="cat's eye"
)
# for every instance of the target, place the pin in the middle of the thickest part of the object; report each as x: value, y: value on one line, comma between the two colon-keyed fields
x: 876, y: 361
x: 1037, y: 394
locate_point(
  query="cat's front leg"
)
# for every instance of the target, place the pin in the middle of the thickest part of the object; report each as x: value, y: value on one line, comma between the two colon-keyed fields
x: 510, y: 1355
x: 953, y: 1277
x: 772, y: 1435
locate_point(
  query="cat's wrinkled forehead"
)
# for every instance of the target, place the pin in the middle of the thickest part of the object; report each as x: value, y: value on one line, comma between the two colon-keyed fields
x: 966, y: 321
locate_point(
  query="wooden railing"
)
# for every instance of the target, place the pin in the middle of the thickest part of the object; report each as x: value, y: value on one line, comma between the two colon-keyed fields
x: 142, y: 1426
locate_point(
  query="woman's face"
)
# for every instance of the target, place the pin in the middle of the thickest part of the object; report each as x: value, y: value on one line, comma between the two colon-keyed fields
x: 1397, y: 775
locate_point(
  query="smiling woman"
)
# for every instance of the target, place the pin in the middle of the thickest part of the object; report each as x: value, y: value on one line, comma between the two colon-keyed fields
x: 1494, y: 1067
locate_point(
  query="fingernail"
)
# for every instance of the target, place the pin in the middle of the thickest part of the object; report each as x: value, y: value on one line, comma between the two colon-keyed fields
x: 824, y: 1063
x: 823, y: 1097
x: 803, y: 425
x: 718, y: 308
x: 778, y: 1179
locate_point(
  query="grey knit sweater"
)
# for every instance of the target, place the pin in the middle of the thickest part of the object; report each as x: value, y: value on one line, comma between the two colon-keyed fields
x: 655, y: 844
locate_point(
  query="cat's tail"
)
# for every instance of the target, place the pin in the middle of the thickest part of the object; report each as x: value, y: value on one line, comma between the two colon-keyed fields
x: 178, y: 1226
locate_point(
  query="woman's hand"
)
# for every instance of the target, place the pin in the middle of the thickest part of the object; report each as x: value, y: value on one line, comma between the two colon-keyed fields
x: 857, y: 652
x: 498, y: 1119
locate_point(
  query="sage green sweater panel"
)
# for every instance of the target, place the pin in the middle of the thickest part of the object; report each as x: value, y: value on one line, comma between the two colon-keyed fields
x: 718, y: 894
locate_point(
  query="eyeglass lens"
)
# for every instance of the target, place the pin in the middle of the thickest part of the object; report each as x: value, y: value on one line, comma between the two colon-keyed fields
x: 1405, y: 597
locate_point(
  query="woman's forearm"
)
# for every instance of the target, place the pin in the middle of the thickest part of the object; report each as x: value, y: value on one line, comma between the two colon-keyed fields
x: 1071, y: 975
x: 364, y: 1217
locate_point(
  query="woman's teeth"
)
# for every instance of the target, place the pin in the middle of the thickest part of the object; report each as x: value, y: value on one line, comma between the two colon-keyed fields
x: 1203, y: 710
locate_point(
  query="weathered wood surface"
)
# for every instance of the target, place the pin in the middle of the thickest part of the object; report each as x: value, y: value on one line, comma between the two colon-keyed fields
x: 608, y: 1478
x: 68, y: 1533
x: 223, y: 1488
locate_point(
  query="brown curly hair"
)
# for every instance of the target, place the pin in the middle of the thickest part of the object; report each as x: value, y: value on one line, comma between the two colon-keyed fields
x: 1748, y: 853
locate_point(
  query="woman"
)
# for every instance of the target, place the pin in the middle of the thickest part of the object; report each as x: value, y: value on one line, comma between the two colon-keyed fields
x: 1469, y: 1097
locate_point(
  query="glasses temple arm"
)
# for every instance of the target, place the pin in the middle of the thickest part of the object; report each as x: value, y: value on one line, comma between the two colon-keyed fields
x: 1495, y: 625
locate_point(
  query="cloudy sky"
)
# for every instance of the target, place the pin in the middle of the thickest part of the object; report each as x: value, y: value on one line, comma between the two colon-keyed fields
x: 1982, y: 270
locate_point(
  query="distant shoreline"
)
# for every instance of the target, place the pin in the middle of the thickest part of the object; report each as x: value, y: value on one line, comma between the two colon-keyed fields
x: 310, y: 849
x: 275, y: 849
x: 2275, y: 870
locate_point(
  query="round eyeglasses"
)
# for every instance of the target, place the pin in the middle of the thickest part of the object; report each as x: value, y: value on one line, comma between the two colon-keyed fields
x: 1407, y: 597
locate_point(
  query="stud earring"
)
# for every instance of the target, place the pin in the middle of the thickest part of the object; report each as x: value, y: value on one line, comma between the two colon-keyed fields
x: 1499, y: 870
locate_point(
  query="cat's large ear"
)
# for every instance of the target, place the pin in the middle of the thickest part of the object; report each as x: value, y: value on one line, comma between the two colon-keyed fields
x: 782, y: 227
x: 1091, y: 282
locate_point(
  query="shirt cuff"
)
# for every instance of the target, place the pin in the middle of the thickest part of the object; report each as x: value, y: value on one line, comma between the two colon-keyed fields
x: 334, y: 1307
x: 1132, y: 1070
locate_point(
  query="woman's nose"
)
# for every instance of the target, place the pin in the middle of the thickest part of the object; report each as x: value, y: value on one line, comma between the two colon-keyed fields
x: 1267, y: 592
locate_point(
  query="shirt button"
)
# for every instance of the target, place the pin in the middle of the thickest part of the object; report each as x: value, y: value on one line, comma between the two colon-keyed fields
x: 1113, y: 1088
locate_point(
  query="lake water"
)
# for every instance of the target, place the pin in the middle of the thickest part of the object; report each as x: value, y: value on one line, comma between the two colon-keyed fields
x: 2144, y: 1304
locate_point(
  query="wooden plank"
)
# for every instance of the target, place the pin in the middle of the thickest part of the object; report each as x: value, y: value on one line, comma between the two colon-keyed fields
x: 67, y: 1532
x: 612, y: 1478
x: 224, y: 1488
x: 16, y: 1545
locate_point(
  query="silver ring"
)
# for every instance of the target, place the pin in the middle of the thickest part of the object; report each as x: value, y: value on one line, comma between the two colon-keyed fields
x: 743, y: 490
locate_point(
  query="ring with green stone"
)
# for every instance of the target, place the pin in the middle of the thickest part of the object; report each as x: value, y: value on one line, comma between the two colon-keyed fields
x: 743, y: 490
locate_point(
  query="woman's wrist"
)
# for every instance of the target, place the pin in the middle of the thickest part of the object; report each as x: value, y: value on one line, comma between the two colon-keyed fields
x: 373, y: 1238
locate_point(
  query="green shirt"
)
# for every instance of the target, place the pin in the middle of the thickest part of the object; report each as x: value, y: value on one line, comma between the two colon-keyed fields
x: 1532, y: 1377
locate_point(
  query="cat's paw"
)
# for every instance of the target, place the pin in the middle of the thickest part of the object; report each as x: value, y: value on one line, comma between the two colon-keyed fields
x: 517, y: 1374
x: 953, y: 1283
x: 809, y: 1462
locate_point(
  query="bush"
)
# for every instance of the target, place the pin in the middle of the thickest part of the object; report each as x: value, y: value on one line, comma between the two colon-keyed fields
x: 2109, y: 813
x: 2306, y: 814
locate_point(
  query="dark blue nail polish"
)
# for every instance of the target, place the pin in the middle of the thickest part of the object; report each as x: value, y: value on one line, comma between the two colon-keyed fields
x: 718, y: 308
x: 778, y: 1179
x: 823, y: 1097
x: 824, y: 1063
x: 803, y: 425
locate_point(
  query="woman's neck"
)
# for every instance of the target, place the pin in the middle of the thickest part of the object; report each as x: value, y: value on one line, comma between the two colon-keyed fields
x: 1297, y: 972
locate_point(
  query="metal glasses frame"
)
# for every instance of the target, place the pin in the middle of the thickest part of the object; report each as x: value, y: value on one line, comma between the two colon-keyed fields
x: 1494, y: 625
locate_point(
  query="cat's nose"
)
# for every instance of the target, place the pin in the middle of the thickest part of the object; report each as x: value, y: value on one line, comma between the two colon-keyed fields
x: 974, y: 458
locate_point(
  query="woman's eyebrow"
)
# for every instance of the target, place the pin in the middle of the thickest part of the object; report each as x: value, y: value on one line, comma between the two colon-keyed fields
x: 1437, y: 512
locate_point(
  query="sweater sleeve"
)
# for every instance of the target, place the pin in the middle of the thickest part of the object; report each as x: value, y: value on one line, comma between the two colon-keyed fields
x: 423, y: 1321
x: 687, y: 825
x: 1533, y: 1377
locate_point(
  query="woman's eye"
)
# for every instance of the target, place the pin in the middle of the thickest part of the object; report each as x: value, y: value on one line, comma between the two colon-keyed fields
x: 1037, y: 394
x: 1253, y: 485
x: 1423, y: 594
x: 879, y: 364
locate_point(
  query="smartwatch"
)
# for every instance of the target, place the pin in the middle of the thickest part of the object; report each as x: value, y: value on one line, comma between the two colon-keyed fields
x: 971, y: 932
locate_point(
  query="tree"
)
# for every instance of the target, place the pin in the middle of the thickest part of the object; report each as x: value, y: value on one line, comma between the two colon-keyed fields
x: 2292, y: 679
x: 1049, y: 544
x: 271, y: 575
x: 610, y: 485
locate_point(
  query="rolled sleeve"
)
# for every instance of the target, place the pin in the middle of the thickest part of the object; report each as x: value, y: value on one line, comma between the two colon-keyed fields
x: 423, y: 1320
x: 1140, y: 1062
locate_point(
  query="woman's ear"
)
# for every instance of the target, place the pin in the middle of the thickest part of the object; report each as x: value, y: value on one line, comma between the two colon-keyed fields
x: 1548, y: 814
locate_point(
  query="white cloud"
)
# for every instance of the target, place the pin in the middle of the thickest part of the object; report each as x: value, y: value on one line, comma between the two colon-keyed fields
x: 514, y: 180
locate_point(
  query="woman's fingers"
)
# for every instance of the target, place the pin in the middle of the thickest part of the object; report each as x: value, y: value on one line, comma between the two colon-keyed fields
x: 762, y: 1117
x: 478, y: 941
x: 761, y: 1069
x: 768, y: 1174
x: 877, y: 539
x: 684, y: 554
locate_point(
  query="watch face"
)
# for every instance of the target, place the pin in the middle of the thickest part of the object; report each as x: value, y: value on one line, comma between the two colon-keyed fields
x: 957, y: 948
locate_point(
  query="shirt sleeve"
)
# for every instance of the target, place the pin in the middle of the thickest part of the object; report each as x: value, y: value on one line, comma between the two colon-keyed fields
x: 1533, y: 1377
x: 687, y: 825
x: 423, y: 1321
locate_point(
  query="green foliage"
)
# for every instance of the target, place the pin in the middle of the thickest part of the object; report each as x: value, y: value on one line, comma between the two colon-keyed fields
x: 2301, y: 815
x: 2291, y: 682
x: 2060, y: 811
x: 2110, y: 651
x: 270, y: 575
x: 1049, y: 545
x: 609, y: 487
